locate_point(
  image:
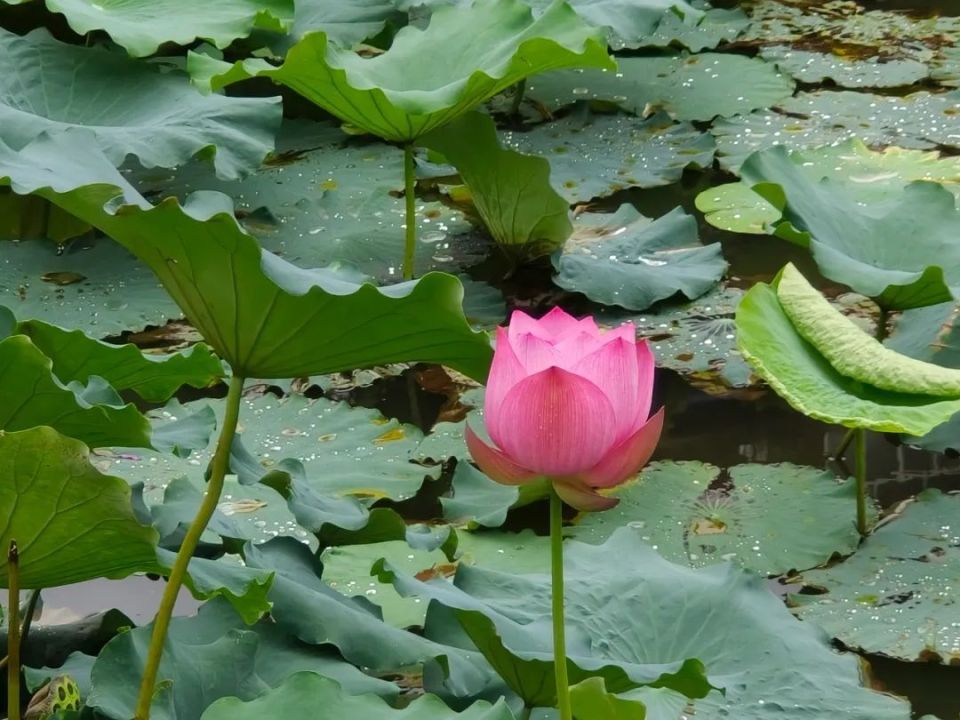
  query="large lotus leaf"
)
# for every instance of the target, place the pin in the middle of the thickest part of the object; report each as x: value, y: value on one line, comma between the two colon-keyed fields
x: 628, y: 260
x: 30, y: 395
x: 871, y: 176
x: 323, y: 199
x: 696, y: 339
x: 893, y: 595
x: 311, y: 610
x: 210, y: 656
x: 831, y: 219
x: 945, y: 69
x: 628, y: 607
x: 629, y: 23
x: 301, y: 694
x: 476, y: 500
x: 423, y: 80
x: 70, y: 522
x: 142, y: 26
x: 688, y: 87
x: 265, y: 316
x: 804, y: 378
x: 874, y: 72
x: 30, y: 218
x: 766, y: 518
x: 597, y: 155
x: 346, y: 22
x: 129, y: 107
x: 718, y: 25
x: 510, y: 191
x: 827, y: 117
x: 94, y: 285
x: 76, y: 357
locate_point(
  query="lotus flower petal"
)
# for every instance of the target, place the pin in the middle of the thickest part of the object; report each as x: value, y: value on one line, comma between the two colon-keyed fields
x: 494, y: 463
x: 553, y: 326
x: 582, y: 497
x: 560, y: 424
x: 505, y: 372
x: 613, y: 368
x: 535, y: 353
x: 626, y: 459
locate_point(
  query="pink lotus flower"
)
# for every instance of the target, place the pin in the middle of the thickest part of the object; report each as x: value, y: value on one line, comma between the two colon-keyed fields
x: 568, y: 403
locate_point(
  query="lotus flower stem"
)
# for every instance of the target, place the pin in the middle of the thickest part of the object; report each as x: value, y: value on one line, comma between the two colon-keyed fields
x: 218, y: 470
x: 410, y: 196
x: 559, y: 637
x: 519, y: 90
x: 13, y: 632
x: 844, y: 444
x: 861, y: 457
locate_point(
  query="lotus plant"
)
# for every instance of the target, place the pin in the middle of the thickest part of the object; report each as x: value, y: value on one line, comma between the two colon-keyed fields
x: 569, y: 404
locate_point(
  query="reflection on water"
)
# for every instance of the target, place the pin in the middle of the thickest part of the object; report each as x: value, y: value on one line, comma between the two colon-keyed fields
x: 136, y: 597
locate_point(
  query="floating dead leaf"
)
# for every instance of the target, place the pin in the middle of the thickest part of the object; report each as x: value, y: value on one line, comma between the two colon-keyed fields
x: 63, y: 277
x: 390, y: 436
x: 234, y: 507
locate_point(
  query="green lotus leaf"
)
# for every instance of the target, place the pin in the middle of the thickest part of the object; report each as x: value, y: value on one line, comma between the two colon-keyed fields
x: 155, y: 378
x: 311, y: 610
x: 628, y: 260
x: 629, y: 23
x: 826, y: 117
x: 385, y: 96
x: 511, y: 191
x: 591, y: 701
x: 142, y: 26
x: 128, y: 107
x: 325, y: 199
x: 94, y: 285
x: 875, y: 72
x: 476, y: 499
x: 210, y: 656
x: 265, y: 316
x: 593, y: 155
x: 806, y: 380
x: 31, y: 395
x: 70, y: 522
x: 621, y: 595
x: 890, y: 596
x: 30, y: 218
x: 346, y: 22
x: 831, y: 220
x: 716, y: 26
x: 301, y: 693
x: 852, y: 352
x: 78, y: 666
x: 735, y: 207
x: 945, y: 68
x: 688, y: 87
x: 768, y: 518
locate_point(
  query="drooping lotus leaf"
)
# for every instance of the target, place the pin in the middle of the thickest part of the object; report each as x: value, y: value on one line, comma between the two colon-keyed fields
x: 594, y: 155
x: 852, y: 352
x: 832, y: 221
x: 70, y: 522
x: 210, y: 656
x: 828, y: 117
x: 628, y: 260
x: 76, y: 357
x: 696, y: 339
x: 323, y: 198
x: 718, y: 25
x: 31, y: 395
x: 423, y: 80
x: 31, y: 218
x: 128, y: 107
x: 265, y: 316
x: 806, y: 380
x: 872, y: 175
x: 628, y: 607
x: 891, y: 595
x: 94, y: 285
x: 301, y: 693
x: 629, y: 23
x: 346, y: 22
x: 477, y: 500
x: 510, y: 191
x: 78, y: 666
x: 142, y: 26
x: 874, y: 72
x: 766, y: 518
x: 688, y: 87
